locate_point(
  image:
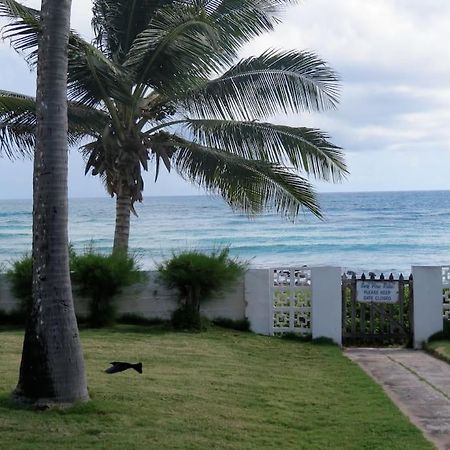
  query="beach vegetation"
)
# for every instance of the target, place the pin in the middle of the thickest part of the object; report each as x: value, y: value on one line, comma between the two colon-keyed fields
x: 20, y: 277
x: 187, y: 318
x: 197, y: 276
x: 100, y: 278
x: 444, y: 334
x: 439, y: 344
x: 291, y: 336
x: 233, y: 324
x: 13, y: 318
x: 162, y: 86
x: 137, y: 319
x: 218, y: 390
x: 94, y: 275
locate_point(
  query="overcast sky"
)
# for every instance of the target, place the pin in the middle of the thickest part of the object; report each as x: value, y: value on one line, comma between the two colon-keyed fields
x: 393, y: 122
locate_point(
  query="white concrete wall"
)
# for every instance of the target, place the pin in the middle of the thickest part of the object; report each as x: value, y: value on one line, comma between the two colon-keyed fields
x: 257, y: 296
x: 251, y: 298
x: 150, y: 299
x: 427, y: 283
x: 326, y: 303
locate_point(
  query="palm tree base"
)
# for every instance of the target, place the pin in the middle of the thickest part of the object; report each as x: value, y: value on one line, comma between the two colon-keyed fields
x: 41, y: 404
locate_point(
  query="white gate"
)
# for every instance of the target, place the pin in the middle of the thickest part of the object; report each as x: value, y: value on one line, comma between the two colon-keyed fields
x: 290, y: 306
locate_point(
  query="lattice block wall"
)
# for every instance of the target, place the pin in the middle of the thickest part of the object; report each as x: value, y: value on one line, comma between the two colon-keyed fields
x: 291, y: 301
x: 292, y: 277
x: 446, y: 292
x: 446, y: 276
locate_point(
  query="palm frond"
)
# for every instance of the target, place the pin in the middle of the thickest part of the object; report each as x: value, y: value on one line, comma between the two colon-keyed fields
x: 22, y: 29
x: 92, y: 77
x: 243, y: 20
x: 249, y: 185
x: 262, y: 86
x: 303, y: 148
x: 101, y: 163
x: 177, y: 45
x: 195, y: 37
x: 117, y: 23
x: 84, y: 121
x: 18, y: 123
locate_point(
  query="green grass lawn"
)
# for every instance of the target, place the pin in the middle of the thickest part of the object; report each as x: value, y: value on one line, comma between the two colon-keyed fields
x: 216, y: 390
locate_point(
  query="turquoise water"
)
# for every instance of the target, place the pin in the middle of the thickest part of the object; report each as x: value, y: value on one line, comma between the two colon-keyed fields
x: 387, y: 231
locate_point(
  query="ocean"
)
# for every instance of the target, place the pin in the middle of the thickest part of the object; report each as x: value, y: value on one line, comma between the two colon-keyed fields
x: 380, y: 232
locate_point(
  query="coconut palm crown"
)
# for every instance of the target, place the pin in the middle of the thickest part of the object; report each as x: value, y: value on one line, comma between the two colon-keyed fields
x: 161, y: 85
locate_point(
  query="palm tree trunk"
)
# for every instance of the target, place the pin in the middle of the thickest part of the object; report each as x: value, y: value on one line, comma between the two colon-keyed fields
x: 52, y: 367
x: 122, y: 230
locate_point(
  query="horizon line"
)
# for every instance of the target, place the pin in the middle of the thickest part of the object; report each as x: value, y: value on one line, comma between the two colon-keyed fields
x: 389, y: 191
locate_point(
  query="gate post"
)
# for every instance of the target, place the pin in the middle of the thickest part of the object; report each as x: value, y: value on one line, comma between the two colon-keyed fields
x: 327, y: 303
x: 427, y: 306
x: 257, y: 297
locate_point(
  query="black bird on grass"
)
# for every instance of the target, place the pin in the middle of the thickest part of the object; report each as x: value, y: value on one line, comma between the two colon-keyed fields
x: 118, y: 366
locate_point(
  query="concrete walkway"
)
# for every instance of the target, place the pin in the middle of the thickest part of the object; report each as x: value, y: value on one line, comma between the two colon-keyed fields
x: 418, y: 383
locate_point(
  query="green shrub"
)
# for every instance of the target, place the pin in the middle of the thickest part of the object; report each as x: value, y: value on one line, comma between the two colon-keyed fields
x: 186, y: 318
x: 446, y: 328
x: 291, y: 336
x: 20, y: 277
x: 441, y: 335
x: 136, y: 319
x: 239, y: 325
x: 323, y: 341
x: 100, y: 278
x: 197, y: 276
x: 96, y: 276
x: 12, y: 318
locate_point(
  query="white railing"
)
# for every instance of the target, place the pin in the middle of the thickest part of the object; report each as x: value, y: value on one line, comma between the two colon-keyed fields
x: 291, y: 294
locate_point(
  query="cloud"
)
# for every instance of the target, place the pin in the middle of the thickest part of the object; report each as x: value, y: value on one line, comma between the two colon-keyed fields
x: 394, y: 60
x: 387, y: 35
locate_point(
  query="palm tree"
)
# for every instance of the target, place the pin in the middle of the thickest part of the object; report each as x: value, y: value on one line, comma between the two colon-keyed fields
x: 52, y: 367
x: 161, y: 74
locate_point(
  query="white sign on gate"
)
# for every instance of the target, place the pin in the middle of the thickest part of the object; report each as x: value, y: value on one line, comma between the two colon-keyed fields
x: 377, y: 291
